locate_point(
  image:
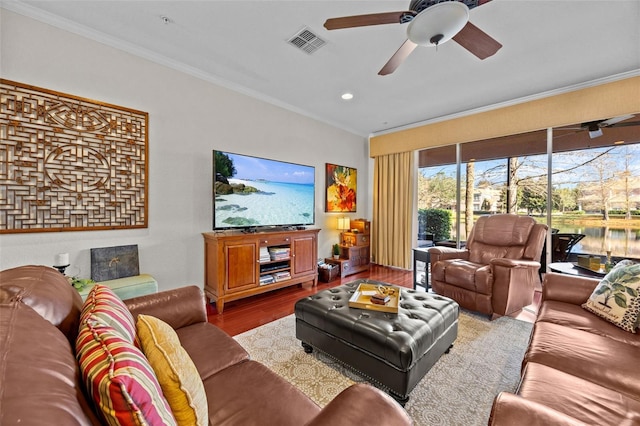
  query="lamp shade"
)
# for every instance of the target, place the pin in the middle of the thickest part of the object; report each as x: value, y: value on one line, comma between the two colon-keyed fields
x: 344, y: 223
x: 438, y: 23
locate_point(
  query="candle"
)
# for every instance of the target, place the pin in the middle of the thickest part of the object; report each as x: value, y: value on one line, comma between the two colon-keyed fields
x: 62, y: 259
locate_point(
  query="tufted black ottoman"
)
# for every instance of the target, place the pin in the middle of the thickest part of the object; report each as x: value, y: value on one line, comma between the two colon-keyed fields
x: 394, y: 350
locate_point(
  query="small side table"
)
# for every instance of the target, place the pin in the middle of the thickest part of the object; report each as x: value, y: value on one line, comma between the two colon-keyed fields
x: 451, y: 243
x: 421, y: 254
x: 571, y: 269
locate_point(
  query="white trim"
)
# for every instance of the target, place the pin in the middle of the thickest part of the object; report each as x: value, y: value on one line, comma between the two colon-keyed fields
x: 84, y: 31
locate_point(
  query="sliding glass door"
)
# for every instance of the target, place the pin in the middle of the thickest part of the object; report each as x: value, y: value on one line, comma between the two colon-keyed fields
x: 595, y: 184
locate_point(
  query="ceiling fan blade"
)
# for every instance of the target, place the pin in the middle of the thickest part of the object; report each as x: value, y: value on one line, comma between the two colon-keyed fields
x: 365, y: 20
x: 625, y: 124
x: 616, y: 120
x: 398, y: 57
x: 477, y: 41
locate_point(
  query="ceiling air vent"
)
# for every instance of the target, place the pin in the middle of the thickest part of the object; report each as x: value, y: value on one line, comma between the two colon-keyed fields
x: 306, y: 41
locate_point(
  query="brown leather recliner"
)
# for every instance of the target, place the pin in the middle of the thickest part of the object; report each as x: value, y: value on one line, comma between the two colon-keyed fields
x: 497, y: 272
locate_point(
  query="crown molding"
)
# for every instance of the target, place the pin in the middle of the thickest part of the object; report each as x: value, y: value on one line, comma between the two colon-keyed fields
x: 29, y: 11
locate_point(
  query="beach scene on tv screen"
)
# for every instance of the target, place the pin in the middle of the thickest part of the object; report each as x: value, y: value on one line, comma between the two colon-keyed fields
x: 251, y: 191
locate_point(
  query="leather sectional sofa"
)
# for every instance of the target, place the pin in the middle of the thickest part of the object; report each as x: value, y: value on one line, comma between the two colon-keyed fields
x: 40, y: 380
x: 578, y: 369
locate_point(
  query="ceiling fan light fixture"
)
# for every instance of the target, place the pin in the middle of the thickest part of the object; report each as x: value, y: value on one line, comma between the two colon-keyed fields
x: 595, y: 133
x: 438, y: 24
x: 594, y: 130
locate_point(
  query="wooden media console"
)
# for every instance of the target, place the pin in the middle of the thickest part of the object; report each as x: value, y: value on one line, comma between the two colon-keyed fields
x: 239, y: 265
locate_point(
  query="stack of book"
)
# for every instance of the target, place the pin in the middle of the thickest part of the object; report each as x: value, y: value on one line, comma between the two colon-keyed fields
x: 264, y: 255
x: 279, y: 253
x: 281, y: 276
x: 267, y: 279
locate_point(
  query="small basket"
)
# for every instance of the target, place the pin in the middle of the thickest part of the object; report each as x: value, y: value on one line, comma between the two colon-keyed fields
x: 328, y: 274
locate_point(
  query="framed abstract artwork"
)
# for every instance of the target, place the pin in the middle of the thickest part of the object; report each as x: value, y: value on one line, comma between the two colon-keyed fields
x: 341, y: 188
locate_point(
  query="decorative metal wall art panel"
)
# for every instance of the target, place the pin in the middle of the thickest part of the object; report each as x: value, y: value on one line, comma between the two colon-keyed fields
x: 69, y: 163
x: 110, y: 263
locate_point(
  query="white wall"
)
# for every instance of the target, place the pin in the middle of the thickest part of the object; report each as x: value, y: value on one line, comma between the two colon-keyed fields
x: 188, y: 117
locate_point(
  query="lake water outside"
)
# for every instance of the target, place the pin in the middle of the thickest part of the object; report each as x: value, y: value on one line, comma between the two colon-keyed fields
x: 623, y: 242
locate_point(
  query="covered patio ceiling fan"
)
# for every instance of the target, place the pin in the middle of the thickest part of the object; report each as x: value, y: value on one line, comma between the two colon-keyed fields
x: 431, y: 23
x: 595, y: 127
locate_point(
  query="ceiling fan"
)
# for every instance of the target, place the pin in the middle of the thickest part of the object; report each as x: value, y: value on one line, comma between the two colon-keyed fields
x: 431, y: 23
x: 595, y: 127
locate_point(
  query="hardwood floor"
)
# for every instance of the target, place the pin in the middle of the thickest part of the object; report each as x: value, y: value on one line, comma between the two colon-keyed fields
x: 243, y: 315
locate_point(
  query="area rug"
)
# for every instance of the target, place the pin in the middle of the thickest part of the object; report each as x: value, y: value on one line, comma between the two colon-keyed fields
x: 459, y: 389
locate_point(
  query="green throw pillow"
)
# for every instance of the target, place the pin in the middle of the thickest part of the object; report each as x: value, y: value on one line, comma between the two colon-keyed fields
x: 617, y: 296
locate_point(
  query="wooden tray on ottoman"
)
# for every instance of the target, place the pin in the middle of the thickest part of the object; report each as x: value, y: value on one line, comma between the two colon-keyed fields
x: 361, y: 298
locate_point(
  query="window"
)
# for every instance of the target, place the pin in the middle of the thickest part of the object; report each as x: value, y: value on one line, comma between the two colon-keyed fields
x: 595, y: 184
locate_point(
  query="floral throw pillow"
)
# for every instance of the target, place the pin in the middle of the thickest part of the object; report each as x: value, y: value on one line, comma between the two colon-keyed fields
x: 617, y: 297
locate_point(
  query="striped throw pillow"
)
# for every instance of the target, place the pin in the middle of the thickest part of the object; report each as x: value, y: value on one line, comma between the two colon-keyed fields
x: 104, y: 309
x: 119, y: 379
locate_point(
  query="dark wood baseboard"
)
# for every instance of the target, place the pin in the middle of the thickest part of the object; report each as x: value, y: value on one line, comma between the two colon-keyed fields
x: 243, y: 315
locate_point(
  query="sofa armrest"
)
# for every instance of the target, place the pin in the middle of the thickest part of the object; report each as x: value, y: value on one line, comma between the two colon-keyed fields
x: 514, y: 283
x: 515, y: 263
x: 362, y: 404
x: 567, y: 288
x: 178, y: 308
x: 443, y: 253
x: 509, y: 409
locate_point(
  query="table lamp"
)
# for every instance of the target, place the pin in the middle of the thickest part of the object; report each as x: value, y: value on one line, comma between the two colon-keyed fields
x: 344, y: 224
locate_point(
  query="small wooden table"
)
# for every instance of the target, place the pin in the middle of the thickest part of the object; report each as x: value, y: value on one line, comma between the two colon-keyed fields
x: 571, y: 269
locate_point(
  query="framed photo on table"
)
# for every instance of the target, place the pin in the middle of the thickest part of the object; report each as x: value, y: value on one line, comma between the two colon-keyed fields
x: 341, y: 188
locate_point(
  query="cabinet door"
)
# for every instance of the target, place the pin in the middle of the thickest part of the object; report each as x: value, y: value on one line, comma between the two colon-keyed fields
x: 303, y: 250
x: 242, y: 264
x: 365, y: 257
x: 359, y: 256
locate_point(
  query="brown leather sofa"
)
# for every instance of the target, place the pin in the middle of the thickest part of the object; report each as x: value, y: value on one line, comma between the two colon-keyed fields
x: 578, y: 369
x: 497, y: 271
x: 40, y: 381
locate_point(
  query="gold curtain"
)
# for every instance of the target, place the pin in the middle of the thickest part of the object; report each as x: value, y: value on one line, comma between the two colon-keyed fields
x: 393, y: 197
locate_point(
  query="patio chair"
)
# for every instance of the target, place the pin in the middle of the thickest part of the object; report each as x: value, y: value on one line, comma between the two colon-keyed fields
x: 562, y: 245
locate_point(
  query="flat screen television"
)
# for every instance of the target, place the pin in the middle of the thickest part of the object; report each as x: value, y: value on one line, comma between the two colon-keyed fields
x: 252, y: 192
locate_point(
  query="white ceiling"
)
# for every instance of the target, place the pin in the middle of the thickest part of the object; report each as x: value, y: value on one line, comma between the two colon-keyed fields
x: 548, y: 47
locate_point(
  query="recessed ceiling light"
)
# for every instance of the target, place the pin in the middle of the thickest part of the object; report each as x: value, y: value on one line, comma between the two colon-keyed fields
x: 347, y: 96
x: 166, y: 20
